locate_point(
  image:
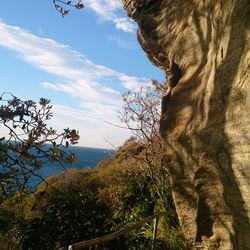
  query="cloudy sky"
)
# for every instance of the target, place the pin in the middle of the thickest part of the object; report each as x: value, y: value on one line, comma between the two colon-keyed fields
x: 82, y: 63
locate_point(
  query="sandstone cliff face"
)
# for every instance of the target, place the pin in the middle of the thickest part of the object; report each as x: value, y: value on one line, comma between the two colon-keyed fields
x: 204, y: 48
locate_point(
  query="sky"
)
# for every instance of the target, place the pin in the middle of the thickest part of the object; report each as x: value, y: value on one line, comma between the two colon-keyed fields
x: 82, y: 63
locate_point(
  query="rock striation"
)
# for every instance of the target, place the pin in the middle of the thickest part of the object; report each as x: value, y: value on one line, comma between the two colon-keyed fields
x: 204, y: 49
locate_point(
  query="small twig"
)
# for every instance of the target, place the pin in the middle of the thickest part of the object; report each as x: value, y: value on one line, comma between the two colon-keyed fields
x: 58, y: 6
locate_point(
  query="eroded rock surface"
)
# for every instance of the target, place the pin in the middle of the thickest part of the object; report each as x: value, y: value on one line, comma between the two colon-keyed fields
x: 203, y: 46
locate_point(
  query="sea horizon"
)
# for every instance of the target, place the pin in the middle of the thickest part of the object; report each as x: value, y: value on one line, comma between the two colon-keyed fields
x: 85, y: 157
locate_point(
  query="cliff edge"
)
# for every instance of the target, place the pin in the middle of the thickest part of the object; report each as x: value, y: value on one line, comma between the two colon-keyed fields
x: 204, y: 49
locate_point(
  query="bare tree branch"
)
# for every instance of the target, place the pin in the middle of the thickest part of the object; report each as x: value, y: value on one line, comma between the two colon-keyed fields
x: 141, y: 113
x: 59, y: 6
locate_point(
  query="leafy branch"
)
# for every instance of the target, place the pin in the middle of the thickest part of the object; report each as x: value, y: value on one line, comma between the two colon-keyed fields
x: 59, y: 6
x: 30, y: 142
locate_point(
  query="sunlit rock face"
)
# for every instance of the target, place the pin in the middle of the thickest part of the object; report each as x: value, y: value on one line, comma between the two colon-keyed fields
x: 204, y: 48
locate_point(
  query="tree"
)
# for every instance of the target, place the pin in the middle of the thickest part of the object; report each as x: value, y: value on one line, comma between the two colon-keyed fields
x: 141, y: 113
x: 66, y: 211
x: 30, y: 141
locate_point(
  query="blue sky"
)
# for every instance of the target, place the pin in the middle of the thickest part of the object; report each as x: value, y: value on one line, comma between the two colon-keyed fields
x: 82, y: 63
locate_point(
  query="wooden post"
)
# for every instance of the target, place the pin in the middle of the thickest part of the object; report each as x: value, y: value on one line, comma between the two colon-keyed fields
x: 155, y: 232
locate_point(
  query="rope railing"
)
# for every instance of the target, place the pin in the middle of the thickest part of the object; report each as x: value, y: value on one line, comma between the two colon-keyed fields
x: 122, y: 231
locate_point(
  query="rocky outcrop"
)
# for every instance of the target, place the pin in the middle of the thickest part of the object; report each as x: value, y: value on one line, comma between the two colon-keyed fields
x: 203, y: 46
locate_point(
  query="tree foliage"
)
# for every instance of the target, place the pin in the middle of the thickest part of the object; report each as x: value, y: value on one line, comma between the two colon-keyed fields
x: 80, y: 205
x: 141, y: 113
x: 30, y: 141
x: 66, y: 211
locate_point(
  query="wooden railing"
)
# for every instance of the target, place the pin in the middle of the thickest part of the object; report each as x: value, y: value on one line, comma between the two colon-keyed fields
x: 112, y: 236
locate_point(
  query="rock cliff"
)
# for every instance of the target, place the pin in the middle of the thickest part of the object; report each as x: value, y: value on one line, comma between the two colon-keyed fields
x: 203, y: 46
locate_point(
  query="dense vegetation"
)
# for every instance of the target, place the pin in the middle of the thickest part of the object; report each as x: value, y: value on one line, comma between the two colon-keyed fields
x: 85, y: 204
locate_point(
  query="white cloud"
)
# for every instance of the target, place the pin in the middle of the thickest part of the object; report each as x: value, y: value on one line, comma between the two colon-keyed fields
x: 121, y: 43
x: 79, y: 77
x: 110, y: 10
x: 132, y: 82
x: 91, y: 129
x: 123, y: 24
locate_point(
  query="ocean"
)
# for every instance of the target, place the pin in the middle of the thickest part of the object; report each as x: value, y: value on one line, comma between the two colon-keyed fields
x: 86, y: 157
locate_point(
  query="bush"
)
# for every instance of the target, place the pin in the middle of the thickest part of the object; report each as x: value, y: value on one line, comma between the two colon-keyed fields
x: 66, y: 211
x: 81, y: 205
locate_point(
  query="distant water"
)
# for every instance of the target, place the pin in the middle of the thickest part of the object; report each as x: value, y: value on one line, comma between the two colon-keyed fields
x: 86, y: 157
